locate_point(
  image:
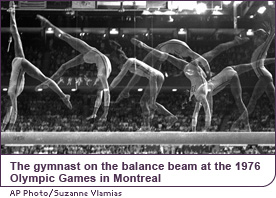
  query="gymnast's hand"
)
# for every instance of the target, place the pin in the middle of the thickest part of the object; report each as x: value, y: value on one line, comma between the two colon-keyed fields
x: 208, y: 75
x: 103, y: 118
x: 122, y: 96
x: 93, y: 116
x: 153, y: 106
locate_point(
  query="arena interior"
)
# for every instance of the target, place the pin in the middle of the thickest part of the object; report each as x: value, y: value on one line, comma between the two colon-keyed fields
x: 203, y: 25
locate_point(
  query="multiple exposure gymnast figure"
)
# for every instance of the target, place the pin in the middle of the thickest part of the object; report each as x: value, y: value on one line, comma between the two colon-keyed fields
x: 20, y: 66
x: 202, y: 89
x: 230, y: 76
x: 182, y: 50
x: 203, y: 85
x: 89, y: 55
x: 156, y: 78
x: 262, y: 40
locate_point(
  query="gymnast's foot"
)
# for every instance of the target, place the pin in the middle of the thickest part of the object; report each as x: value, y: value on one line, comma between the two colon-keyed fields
x: 4, y: 127
x: 241, y: 125
x: 11, y: 127
x: 138, y: 43
x: 11, y: 7
x: 144, y: 129
x: 66, y: 101
x: 235, y: 127
x: 93, y: 116
x: 171, y: 120
x: 123, y: 95
x: 46, y: 23
x: 246, y: 127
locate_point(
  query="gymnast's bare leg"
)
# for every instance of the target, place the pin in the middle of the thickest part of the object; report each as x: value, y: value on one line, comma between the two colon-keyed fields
x: 265, y: 82
x: 89, y: 55
x: 153, y: 60
x: 209, y: 56
x: 237, y: 94
x: 76, y: 43
x: 19, y: 66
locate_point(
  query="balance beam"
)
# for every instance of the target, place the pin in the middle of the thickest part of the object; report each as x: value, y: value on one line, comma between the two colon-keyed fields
x: 135, y: 138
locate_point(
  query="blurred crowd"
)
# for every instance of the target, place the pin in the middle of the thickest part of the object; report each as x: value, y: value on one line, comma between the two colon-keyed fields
x: 44, y: 111
x: 138, y: 149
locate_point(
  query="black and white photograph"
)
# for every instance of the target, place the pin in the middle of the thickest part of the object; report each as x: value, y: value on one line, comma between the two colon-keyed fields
x: 97, y: 96
x: 137, y: 77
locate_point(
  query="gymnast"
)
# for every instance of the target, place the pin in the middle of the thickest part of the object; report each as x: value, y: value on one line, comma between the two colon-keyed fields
x: 202, y: 89
x: 262, y: 39
x: 182, y: 50
x: 156, y: 78
x: 88, y: 55
x: 20, y: 66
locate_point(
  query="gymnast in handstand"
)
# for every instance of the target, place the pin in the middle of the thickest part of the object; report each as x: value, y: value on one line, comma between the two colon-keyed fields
x: 20, y: 66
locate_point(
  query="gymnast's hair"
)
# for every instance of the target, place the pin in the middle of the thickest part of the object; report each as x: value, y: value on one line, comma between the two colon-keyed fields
x: 261, y: 33
x: 116, y: 50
